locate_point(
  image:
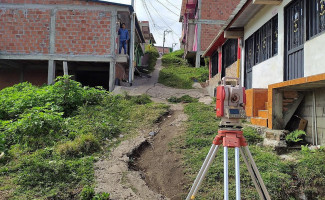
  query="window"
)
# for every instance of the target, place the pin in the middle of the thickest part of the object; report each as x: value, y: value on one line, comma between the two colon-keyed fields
x: 214, y: 60
x: 229, y: 52
x: 263, y: 44
x: 316, y: 16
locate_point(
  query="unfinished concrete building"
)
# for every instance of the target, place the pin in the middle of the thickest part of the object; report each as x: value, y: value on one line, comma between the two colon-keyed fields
x: 43, y: 39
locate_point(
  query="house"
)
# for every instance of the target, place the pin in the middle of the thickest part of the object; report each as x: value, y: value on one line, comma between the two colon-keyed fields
x: 163, y: 50
x: 275, y: 46
x: 201, y: 22
x: 149, y: 39
x: 42, y: 39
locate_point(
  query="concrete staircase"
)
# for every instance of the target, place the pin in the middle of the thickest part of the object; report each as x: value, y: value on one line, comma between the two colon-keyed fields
x: 290, y: 99
x: 262, y: 117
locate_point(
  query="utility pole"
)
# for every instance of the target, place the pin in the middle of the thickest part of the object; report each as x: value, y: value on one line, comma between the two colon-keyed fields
x: 165, y: 31
x: 132, y: 45
x: 198, y: 49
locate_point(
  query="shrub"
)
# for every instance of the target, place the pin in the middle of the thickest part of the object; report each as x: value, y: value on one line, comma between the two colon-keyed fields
x: 87, y: 193
x: 174, y: 58
x: 18, y: 98
x: 295, y: 136
x: 153, y: 55
x: 36, y: 128
x: 81, y: 146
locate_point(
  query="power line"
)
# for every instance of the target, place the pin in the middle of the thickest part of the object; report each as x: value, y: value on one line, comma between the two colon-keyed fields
x: 167, y: 8
x: 173, y: 5
x: 162, y: 19
x: 158, y: 12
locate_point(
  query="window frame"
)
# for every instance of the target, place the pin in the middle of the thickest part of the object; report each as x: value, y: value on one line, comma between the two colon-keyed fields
x: 265, y: 37
x: 229, y: 52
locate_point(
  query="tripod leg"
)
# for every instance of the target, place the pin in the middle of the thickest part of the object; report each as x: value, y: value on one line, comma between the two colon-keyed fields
x: 225, y: 173
x: 237, y: 169
x: 255, y: 174
x: 203, y: 171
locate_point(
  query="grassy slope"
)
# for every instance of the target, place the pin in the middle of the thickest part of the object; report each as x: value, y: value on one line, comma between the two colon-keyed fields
x: 178, y: 74
x: 52, y: 136
x: 284, y: 180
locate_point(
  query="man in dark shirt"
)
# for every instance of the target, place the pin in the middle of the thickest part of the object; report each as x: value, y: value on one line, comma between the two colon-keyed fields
x: 124, y: 37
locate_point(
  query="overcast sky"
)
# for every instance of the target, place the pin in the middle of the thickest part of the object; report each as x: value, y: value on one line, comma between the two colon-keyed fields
x: 165, y: 16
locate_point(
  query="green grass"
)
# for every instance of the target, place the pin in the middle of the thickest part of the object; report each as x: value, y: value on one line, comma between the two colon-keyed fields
x: 178, y: 74
x: 182, y: 76
x: 283, y: 179
x: 52, y: 135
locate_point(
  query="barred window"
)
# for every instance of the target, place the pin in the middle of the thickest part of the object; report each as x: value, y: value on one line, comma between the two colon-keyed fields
x: 316, y: 17
x: 229, y: 52
x: 214, y: 59
x: 263, y: 44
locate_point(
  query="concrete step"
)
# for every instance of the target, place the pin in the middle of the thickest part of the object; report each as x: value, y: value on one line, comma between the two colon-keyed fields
x: 290, y: 94
x: 288, y: 100
x: 263, y: 113
x: 259, y: 121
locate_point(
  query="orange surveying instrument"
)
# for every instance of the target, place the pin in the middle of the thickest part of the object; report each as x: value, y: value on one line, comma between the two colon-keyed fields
x: 230, y: 106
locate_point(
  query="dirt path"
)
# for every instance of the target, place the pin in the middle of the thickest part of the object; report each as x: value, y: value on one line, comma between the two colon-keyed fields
x: 162, y: 166
x: 154, y: 89
x: 145, y: 168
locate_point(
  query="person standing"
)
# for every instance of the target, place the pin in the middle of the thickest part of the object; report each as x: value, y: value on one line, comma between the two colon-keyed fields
x: 124, y: 37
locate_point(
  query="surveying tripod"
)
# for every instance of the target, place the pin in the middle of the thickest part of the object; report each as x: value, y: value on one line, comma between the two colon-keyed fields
x: 230, y: 107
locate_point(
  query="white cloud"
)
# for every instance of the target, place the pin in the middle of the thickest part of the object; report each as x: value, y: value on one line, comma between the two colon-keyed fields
x: 163, y: 18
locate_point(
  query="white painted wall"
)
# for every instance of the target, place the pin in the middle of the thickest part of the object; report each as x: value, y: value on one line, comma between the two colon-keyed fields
x: 272, y: 70
x: 314, y: 55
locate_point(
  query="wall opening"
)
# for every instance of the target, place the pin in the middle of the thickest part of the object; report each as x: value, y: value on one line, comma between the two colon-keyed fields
x: 90, y: 73
x: 16, y: 71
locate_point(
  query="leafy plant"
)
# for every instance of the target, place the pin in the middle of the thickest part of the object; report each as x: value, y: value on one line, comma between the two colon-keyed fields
x: 36, y: 128
x: 101, y: 196
x: 295, y: 136
x: 87, y: 193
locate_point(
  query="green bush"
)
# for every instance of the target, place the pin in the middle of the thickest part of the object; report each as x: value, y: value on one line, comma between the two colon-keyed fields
x: 79, y: 147
x: 18, y: 98
x: 87, y: 193
x: 174, y: 58
x: 34, y: 129
x: 153, y: 55
x: 182, y: 76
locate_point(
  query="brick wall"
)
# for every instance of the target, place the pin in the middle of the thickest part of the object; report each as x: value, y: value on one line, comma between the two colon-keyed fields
x: 83, y: 32
x: 218, y: 9
x: 78, y: 32
x: 208, y: 33
x: 24, y: 31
